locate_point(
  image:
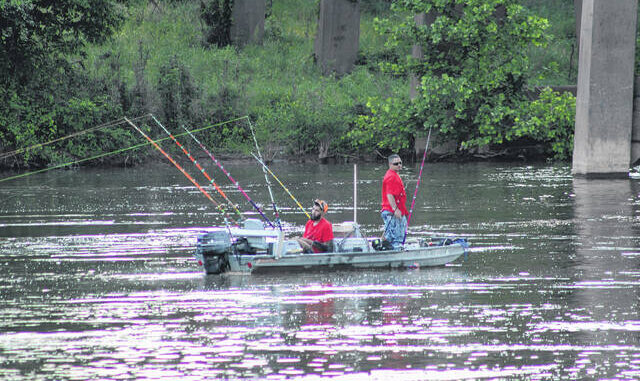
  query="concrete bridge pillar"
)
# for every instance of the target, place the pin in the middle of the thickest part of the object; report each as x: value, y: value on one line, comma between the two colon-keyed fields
x: 635, y: 129
x: 247, y: 21
x: 604, y: 105
x: 336, y: 44
x: 577, y: 11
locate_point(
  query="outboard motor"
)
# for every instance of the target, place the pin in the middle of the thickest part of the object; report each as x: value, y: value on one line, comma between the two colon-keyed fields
x: 212, y: 247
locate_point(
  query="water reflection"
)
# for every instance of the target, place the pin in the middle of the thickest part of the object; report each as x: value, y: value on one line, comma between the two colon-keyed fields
x: 606, y: 278
x: 606, y: 223
x: 99, y: 281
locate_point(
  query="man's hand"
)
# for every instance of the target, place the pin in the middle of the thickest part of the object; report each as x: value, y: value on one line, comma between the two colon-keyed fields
x: 392, y: 202
x: 305, y: 243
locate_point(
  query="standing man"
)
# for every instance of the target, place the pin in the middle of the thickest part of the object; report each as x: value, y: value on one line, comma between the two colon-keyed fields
x: 318, y: 232
x: 394, y: 211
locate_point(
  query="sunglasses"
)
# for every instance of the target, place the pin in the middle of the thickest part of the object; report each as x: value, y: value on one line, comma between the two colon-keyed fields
x: 397, y: 163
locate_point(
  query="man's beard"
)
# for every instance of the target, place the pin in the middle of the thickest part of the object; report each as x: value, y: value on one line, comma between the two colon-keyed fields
x: 316, y: 217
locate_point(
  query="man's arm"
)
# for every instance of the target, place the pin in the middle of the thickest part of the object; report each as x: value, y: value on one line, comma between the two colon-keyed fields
x: 306, y: 244
x: 392, y: 201
x: 324, y: 246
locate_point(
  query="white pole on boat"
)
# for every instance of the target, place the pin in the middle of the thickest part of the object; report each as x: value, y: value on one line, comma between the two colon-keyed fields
x: 355, y: 193
x: 279, y: 249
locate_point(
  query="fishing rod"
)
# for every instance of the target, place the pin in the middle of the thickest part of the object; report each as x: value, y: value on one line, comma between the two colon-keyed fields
x: 266, y: 178
x: 180, y: 168
x: 413, y: 202
x: 193, y: 160
x: 256, y: 207
x: 264, y: 166
x: 115, y: 152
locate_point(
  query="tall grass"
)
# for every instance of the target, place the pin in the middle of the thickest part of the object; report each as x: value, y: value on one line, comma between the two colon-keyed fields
x: 257, y: 79
x: 266, y: 81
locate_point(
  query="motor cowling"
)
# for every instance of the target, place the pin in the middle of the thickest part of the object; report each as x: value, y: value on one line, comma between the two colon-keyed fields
x: 214, y: 243
x: 213, y: 247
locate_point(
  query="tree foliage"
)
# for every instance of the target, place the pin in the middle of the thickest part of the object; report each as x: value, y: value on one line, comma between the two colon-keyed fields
x: 46, y: 93
x: 177, y: 92
x: 55, y: 81
x: 35, y: 32
x: 216, y: 14
x: 472, y: 77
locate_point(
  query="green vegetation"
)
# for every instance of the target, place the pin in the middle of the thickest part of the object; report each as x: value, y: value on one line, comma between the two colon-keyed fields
x: 473, y: 76
x: 45, y: 94
x: 130, y: 58
x: 217, y: 16
x: 550, y: 120
x: 555, y: 63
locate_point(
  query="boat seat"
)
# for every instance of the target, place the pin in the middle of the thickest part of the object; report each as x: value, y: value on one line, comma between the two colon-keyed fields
x: 344, y: 230
x: 257, y: 242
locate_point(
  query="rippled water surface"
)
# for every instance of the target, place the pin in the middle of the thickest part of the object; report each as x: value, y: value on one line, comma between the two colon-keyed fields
x: 99, y: 282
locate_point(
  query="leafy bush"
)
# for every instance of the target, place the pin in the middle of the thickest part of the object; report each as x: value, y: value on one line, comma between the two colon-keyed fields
x: 37, y: 31
x: 177, y: 92
x: 472, y: 79
x: 33, y: 117
x: 549, y: 119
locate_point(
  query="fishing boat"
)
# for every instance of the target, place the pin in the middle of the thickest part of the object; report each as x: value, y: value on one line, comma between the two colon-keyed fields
x: 254, y: 249
x: 259, y: 246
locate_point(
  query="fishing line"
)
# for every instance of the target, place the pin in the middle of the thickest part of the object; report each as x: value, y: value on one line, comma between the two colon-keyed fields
x: 195, y: 162
x: 41, y: 183
x: 116, y: 122
x: 229, y: 176
x: 266, y: 178
x: 413, y: 202
x: 264, y: 166
x: 115, y: 152
x: 200, y: 188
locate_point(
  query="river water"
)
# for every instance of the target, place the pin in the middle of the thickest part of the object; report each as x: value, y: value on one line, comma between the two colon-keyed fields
x: 98, y: 279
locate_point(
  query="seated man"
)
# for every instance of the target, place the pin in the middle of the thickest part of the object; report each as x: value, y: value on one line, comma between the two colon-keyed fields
x: 318, y: 232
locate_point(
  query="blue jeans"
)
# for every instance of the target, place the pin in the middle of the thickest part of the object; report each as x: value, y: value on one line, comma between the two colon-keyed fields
x: 394, y: 228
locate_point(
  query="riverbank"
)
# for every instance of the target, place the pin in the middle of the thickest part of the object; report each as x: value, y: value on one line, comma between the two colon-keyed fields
x: 157, y: 62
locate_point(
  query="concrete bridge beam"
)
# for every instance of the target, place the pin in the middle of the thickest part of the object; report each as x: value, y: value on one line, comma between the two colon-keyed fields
x: 635, y: 129
x: 247, y: 21
x: 337, y: 40
x: 604, y: 105
x: 577, y: 9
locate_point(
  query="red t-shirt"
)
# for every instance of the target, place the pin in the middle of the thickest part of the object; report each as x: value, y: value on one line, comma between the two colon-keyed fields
x: 392, y: 184
x: 322, y: 232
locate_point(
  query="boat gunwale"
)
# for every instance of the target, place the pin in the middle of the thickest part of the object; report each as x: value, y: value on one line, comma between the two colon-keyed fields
x: 288, y: 261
